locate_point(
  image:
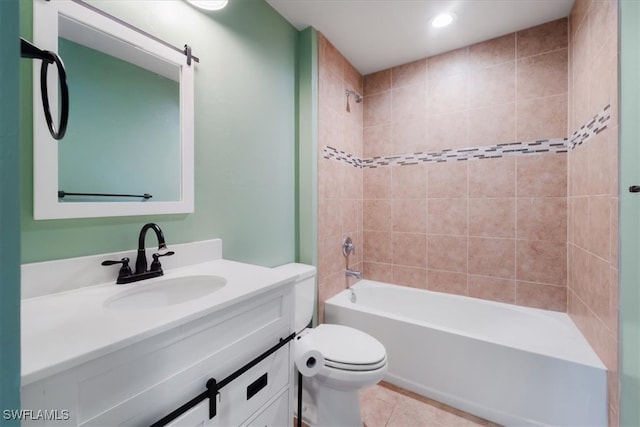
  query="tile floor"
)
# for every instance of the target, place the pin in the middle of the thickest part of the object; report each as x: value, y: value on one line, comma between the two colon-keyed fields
x: 385, y: 405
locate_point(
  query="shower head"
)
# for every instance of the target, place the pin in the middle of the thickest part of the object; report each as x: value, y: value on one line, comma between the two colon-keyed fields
x: 355, y: 94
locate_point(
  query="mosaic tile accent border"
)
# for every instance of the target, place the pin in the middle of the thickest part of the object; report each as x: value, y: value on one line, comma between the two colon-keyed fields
x: 556, y: 145
x: 342, y: 156
x: 587, y: 131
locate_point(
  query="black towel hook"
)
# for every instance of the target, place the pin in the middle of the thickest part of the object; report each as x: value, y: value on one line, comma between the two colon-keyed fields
x: 28, y: 50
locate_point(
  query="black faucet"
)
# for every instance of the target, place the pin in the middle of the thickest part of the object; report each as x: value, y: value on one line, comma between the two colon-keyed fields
x: 125, y: 275
x: 141, y: 260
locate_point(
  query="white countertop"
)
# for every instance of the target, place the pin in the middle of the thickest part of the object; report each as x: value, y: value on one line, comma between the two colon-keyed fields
x: 65, y: 329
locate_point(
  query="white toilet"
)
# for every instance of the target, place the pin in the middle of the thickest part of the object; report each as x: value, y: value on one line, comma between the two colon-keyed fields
x: 352, y: 358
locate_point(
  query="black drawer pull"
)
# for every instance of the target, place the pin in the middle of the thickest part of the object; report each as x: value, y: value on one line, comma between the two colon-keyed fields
x: 256, y: 386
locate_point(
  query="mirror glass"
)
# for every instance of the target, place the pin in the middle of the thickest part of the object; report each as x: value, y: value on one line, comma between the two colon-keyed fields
x: 130, y: 129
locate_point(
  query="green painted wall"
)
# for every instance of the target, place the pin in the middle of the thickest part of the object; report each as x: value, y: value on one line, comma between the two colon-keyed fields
x: 9, y: 211
x: 629, y: 212
x: 244, y: 131
x: 121, y: 113
x: 307, y: 148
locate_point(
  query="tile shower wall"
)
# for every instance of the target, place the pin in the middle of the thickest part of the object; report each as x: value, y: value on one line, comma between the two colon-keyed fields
x: 339, y: 184
x: 593, y: 186
x: 493, y: 228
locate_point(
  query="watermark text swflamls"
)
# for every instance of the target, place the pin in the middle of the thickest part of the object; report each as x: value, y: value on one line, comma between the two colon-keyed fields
x: 36, y: 414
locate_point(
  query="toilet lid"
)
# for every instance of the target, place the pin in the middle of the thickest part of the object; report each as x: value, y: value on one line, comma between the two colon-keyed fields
x: 348, y: 348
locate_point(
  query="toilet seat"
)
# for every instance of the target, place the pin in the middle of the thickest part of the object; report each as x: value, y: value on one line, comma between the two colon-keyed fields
x: 348, y: 349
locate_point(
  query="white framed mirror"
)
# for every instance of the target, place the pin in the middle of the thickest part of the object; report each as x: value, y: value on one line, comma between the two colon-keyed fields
x: 130, y: 133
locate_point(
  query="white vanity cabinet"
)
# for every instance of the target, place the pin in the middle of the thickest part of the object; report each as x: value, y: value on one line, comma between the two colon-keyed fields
x: 141, y: 382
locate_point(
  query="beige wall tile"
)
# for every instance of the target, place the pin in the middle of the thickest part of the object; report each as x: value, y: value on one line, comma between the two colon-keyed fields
x: 599, y: 173
x: 352, y: 183
x: 598, y: 279
x: 409, y: 182
x: 377, y: 82
x: 492, y: 85
x: 541, y: 261
x: 537, y: 295
x: 376, y: 215
x: 410, y: 249
x: 377, y: 183
x: 581, y: 231
x: 410, y: 276
x: 377, y: 141
x: 492, y: 257
x: 448, y: 131
x: 409, y: 74
x: 447, y: 253
x: 377, y: 109
x: 447, y: 216
x: 352, y: 78
x: 542, y: 175
x: 330, y: 60
x: 447, y: 94
x: 492, y: 177
x: 377, y: 247
x: 542, y: 218
x: 578, y: 13
x: 447, y: 179
x: 330, y: 89
x: 492, y: 288
x: 599, y: 226
x: 614, y: 231
x: 602, y: 84
x: 603, y: 23
x: 379, y: 272
x: 492, y: 217
x: 542, y: 118
x: 447, y: 281
x: 611, y: 319
x: 351, y: 216
x: 409, y: 215
x: 449, y: 63
x: 409, y: 103
x: 543, y: 75
x: 542, y: 38
x: 492, y: 125
x: 492, y: 52
x: 410, y: 136
x: 330, y: 217
x: 580, y: 159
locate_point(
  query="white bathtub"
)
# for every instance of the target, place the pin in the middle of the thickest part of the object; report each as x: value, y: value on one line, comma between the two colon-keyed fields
x: 509, y: 364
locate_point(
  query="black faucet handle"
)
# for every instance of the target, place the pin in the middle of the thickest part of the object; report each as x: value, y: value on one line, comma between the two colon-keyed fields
x: 155, y: 265
x: 125, y: 270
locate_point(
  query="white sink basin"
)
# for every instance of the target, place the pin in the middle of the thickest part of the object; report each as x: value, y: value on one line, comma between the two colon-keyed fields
x: 166, y: 292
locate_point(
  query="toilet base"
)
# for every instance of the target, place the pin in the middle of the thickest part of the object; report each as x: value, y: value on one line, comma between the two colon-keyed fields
x: 334, y: 408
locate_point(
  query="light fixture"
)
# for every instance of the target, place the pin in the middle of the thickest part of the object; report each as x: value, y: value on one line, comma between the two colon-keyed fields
x: 209, y: 4
x: 443, y: 19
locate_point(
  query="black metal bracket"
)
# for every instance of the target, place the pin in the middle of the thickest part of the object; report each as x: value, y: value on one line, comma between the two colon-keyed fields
x: 62, y: 194
x: 214, y: 387
x: 131, y: 27
x: 187, y: 52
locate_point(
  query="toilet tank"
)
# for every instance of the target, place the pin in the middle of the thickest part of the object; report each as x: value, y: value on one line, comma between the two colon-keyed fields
x: 304, y: 291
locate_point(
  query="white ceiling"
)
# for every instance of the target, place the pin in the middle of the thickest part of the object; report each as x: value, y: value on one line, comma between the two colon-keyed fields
x: 378, y: 34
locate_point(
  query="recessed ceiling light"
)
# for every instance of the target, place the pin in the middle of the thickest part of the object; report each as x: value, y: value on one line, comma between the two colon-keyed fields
x: 442, y: 20
x: 209, y: 4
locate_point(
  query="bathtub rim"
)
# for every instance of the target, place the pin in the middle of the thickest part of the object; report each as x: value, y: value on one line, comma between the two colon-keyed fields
x: 591, y: 360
